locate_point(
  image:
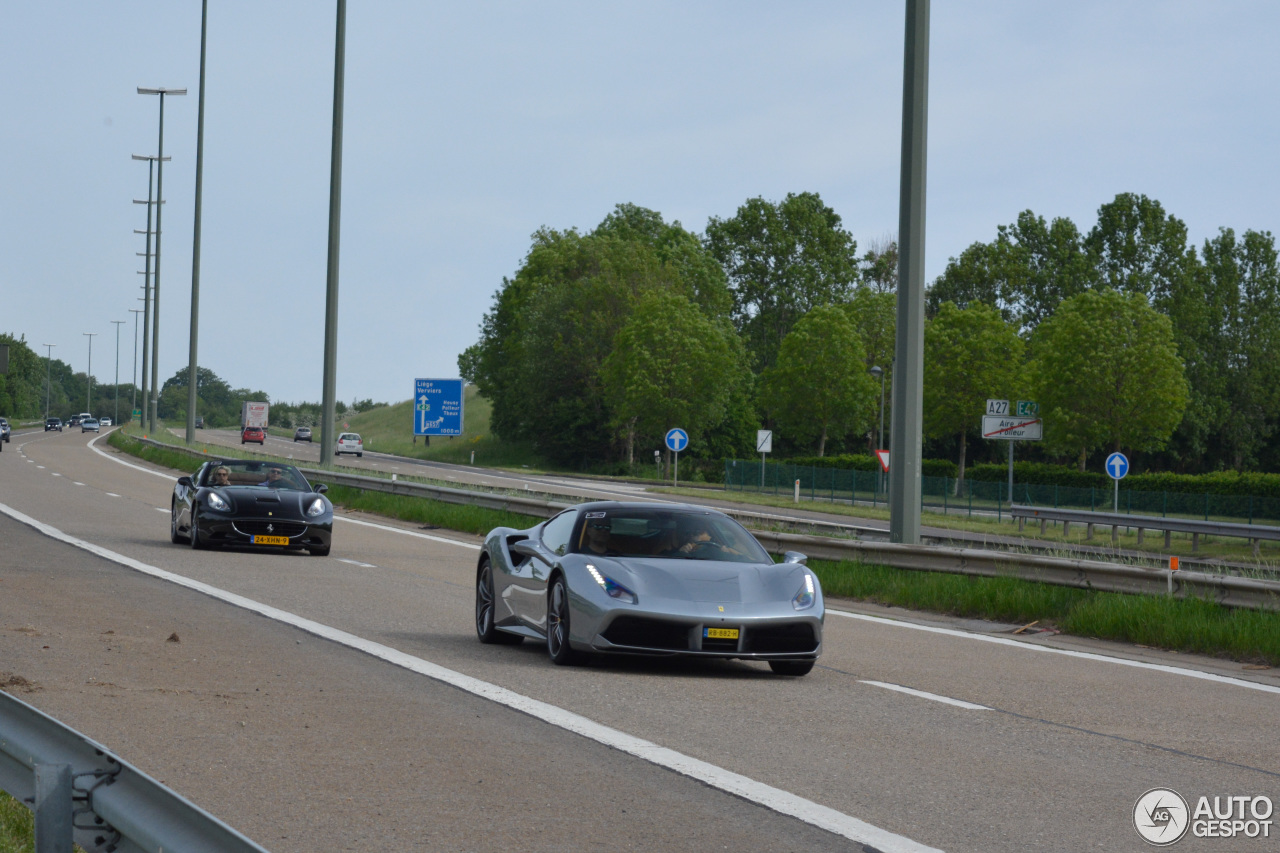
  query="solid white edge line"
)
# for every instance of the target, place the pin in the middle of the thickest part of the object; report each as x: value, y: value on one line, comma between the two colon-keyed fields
x: 1032, y: 647
x: 775, y: 799
x: 923, y: 695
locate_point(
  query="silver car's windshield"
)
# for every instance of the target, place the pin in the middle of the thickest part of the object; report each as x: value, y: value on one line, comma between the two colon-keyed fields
x: 667, y: 534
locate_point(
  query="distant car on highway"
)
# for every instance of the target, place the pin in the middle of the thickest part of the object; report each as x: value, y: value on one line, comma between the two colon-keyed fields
x: 251, y: 503
x: 5, y: 433
x: 638, y: 578
x: 105, y: 421
x: 53, y: 423
x: 199, y: 423
x: 74, y: 420
x: 252, y: 433
x: 350, y: 442
x: 302, y: 434
x: 89, y: 425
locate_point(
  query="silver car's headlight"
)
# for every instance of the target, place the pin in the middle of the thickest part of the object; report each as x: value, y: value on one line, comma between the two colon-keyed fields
x: 611, y: 587
x: 804, y: 598
x: 216, y: 502
x: 317, y: 508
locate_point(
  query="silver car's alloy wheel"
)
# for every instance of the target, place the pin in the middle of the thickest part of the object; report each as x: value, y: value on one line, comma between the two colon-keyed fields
x: 486, y: 630
x: 562, y: 654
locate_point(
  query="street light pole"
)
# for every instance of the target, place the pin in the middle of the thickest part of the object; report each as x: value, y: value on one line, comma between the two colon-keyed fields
x: 155, y: 314
x: 88, y: 394
x: 48, y: 378
x: 146, y: 285
x: 195, y: 242
x: 134, y: 405
x: 329, y: 391
x: 117, y: 325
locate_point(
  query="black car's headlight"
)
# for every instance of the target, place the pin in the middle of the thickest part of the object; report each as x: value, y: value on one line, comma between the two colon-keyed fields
x: 612, y: 588
x: 216, y: 502
x: 805, y: 597
x: 317, y: 507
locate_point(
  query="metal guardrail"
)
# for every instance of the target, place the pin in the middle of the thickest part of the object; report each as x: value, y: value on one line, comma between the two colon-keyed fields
x: 1062, y: 571
x: 80, y: 791
x: 1197, y: 528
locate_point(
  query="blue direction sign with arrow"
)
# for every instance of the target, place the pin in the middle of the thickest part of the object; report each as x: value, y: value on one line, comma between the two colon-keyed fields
x: 1117, y: 466
x: 437, y: 407
x: 677, y: 439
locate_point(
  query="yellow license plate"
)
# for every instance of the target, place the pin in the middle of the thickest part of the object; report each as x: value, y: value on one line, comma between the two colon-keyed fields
x: 284, y: 540
x: 720, y: 633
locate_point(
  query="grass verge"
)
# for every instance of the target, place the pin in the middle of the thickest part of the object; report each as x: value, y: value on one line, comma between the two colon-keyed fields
x: 1177, y: 624
x: 1186, y: 625
x: 17, y: 826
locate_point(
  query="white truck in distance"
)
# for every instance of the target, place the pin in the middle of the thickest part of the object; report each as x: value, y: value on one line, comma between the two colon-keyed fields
x: 253, y: 415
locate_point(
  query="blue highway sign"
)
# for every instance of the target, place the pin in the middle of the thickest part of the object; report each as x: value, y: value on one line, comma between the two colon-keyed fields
x: 437, y: 407
x: 1117, y: 466
x: 677, y: 439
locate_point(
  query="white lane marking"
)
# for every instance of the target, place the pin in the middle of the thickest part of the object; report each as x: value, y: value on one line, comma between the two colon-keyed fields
x: 772, y: 798
x: 79, y: 484
x: 112, y: 495
x: 41, y: 467
x: 1031, y: 647
x: 923, y: 695
x: 161, y: 509
x: 471, y: 545
x: 356, y: 563
x: 55, y: 473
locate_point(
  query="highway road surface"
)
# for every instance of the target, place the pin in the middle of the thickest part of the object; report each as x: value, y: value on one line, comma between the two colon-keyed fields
x: 343, y: 703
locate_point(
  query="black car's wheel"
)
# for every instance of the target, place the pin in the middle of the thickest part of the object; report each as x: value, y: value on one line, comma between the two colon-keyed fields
x: 359, y: 455
x: 562, y: 654
x: 485, y: 628
x: 319, y: 550
x: 174, y: 537
x: 791, y: 667
x: 194, y: 533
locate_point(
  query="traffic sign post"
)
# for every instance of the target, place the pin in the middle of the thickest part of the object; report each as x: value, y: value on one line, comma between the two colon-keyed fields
x: 437, y: 407
x: 677, y: 440
x: 1117, y: 466
x: 764, y: 444
x: 1025, y: 425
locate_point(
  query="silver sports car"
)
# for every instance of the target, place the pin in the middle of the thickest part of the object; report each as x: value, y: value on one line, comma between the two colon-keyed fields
x: 648, y: 579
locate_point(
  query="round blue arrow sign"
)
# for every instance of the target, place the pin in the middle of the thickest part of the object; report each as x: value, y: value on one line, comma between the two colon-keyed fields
x: 677, y: 439
x: 1117, y: 466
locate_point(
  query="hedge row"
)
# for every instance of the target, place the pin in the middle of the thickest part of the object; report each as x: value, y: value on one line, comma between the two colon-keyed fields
x: 1216, y: 483
x: 863, y: 462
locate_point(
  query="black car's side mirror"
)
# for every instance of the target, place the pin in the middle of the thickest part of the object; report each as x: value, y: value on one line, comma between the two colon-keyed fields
x: 321, y: 488
x: 185, y: 481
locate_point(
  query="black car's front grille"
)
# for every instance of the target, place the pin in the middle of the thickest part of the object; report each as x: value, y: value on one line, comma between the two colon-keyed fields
x: 648, y: 633
x: 781, y: 638
x: 278, y: 528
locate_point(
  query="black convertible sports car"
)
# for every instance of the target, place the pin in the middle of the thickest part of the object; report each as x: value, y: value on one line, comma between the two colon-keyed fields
x: 251, y: 503
x: 648, y: 579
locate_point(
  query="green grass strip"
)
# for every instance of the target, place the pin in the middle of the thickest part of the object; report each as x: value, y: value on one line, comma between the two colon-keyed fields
x: 17, y: 826
x: 1179, y: 624
x: 467, y: 519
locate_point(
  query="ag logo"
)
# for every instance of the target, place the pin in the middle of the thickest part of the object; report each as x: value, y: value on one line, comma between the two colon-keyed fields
x: 1161, y: 817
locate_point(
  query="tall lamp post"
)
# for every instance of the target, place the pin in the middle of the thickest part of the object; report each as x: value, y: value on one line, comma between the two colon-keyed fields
x: 146, y: 273
x: 328, y: 392
x: 195, y: 242
x: 155, y: 280
x: 48, y: 378
x: 134, y: 405
x: 88, y: 394
x: 117, y: 325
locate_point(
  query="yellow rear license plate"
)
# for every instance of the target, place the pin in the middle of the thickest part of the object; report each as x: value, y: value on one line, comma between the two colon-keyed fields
x: 720, y: 633
x: 284, y: 540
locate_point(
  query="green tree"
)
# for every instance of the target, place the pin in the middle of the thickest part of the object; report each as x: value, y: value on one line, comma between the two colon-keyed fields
x: 1107, y: 374
x: 970, y: 355
x: 670, y: 366
x: 820, y: 386
x: 782, y: 259
x: 880, y: 265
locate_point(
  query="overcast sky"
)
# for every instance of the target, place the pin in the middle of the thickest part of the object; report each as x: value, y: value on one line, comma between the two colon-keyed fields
x: 469, y: 126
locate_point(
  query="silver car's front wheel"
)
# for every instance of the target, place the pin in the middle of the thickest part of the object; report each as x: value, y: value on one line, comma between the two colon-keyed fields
x: 486, y: 629
x: 562, y: 654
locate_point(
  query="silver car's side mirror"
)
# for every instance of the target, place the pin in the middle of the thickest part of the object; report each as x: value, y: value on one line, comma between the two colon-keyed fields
x: 526, y: 548
x: 795, y: 557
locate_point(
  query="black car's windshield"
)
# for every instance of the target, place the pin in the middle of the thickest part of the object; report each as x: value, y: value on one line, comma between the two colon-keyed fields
x: 244, y: 472
x: 668, y: 534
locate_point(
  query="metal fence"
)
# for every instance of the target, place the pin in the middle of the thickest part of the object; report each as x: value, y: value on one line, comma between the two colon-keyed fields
x: 948, y: 495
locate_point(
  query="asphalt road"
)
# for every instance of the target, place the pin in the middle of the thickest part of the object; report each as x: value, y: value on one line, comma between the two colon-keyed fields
x: 360, y: 742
